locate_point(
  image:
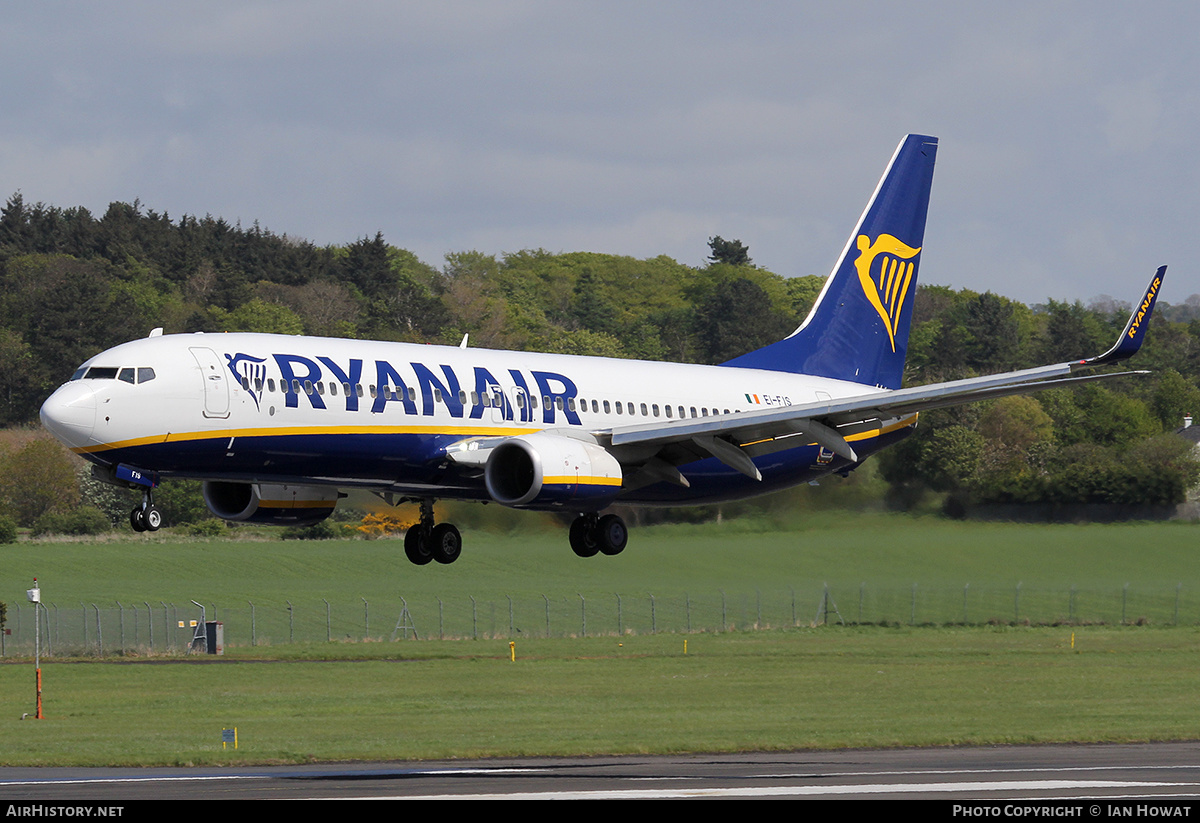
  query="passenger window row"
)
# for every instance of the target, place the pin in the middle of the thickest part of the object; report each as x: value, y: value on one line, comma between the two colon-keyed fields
x: 488, y: 399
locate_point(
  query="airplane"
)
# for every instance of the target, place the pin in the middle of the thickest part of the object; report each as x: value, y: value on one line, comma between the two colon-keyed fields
x: 279, y: 427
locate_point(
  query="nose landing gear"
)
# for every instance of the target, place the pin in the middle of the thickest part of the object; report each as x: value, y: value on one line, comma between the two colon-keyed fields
x: 146, y: 517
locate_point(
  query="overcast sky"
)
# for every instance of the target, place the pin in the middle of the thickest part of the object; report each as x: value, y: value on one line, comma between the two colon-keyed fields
x: 1068, y: 165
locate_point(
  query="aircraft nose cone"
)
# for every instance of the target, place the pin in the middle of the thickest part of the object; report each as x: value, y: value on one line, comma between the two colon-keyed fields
x: 70, y: 413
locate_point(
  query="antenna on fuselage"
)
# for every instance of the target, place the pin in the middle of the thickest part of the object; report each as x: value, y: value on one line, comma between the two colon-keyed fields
x: 155, y: 332
x: 463, y: 344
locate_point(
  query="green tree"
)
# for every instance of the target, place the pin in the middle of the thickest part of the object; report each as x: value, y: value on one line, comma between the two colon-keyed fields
x: 37, y: 478
x: 732, y: 252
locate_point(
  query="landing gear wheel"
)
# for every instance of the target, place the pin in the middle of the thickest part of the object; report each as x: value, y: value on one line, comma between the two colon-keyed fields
x: 152, y: 518
x: 137, y: 519
x: 445, y: 543
x: 611, y: 534
x: 417, y: 545
x: 584, y: 537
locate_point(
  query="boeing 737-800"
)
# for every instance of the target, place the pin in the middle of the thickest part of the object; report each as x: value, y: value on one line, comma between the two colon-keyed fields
x: 279, y: 427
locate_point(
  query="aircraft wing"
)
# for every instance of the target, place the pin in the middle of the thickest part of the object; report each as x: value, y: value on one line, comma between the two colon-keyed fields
x: 735, y: 438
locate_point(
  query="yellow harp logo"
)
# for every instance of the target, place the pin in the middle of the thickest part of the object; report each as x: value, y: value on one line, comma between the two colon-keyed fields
x: 885, y: 284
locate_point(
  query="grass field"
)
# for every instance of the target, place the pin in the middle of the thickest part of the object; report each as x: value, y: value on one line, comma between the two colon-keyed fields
x: 783, y: 688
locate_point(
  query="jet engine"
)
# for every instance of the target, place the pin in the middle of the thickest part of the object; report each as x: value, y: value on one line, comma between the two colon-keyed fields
x: 276, y: 505
x: 547, y: 471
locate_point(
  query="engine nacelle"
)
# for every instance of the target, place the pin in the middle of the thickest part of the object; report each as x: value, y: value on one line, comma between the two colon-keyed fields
x: 270, y: 504
x: 547, y: 471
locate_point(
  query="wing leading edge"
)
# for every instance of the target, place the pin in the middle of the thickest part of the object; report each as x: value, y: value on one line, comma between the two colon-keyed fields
x: 734, y: 439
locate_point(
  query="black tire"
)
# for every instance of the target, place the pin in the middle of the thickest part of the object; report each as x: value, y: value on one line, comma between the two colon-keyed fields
x: 611, y: 534
x: 137, y: 520
x: 583, y: 536
x: 445, y: 543
x: 416, y: 546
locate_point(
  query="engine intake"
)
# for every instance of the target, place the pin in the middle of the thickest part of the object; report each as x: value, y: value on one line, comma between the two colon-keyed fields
x: 547, y: 471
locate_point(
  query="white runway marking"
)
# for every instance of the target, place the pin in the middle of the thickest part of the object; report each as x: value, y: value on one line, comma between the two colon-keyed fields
x: 804, y: 791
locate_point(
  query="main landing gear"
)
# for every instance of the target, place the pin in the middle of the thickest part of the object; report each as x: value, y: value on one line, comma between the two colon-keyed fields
x: 146, y: 517
x: 591, y: 533
x: 425, y: 541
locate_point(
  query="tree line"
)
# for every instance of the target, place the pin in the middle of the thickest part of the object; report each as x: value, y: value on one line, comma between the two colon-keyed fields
x: 73, y: 284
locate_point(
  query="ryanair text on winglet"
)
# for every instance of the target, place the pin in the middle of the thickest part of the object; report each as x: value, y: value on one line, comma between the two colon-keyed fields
x: 1145, y: 307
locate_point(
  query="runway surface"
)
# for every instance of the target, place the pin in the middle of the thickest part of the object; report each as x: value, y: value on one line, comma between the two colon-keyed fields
x: 1152, y: 772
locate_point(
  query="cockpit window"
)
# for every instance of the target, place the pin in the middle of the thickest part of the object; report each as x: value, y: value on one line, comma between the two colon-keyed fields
x: 100, y: 373
x: 127, y: 374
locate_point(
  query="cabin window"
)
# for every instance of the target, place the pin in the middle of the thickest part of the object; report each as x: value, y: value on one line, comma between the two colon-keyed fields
x: 606, y: 407
x: 595, y: 406
x: 462, y: 397
x: 654, y: 408
x: 333, y: 389
x: 571, y: 403
x: 271, y: 384
x: 437, y: 395
x: 667, y: 409
x: 644, y: 412
x: 618, y: 407
x: 258, y: 383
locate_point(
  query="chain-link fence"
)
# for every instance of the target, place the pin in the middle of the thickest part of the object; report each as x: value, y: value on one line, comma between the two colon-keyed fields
x: 165, y: 627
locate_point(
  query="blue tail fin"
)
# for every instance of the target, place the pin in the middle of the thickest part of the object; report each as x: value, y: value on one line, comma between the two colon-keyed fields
x: 858, y: 329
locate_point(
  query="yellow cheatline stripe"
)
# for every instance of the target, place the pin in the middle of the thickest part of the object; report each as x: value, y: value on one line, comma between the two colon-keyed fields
x: 569, y: 480
x: 463, y: 431
x: 225, y: 434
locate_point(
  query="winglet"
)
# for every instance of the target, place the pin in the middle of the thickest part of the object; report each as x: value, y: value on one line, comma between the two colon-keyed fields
x: 1131, y: 339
